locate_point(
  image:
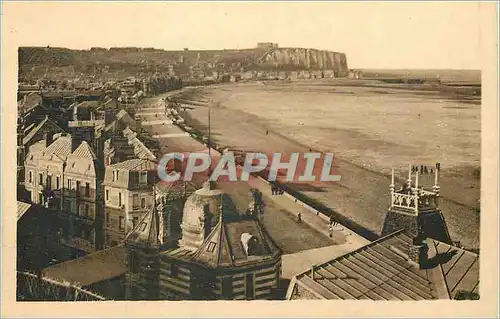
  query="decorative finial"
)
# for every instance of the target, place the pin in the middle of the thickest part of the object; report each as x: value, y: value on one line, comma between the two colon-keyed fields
x: 392, y: 181
x: 409, y: 175
x: 436, y: 182
x: 416, y: 180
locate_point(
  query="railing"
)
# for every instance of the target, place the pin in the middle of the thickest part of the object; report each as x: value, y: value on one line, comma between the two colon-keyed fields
x: 417, y: 200
x: 406, y: 201
x: 31, y: 287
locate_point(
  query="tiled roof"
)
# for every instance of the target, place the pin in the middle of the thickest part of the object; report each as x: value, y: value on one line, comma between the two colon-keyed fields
x: 61, y: 147
x: 381, y: 271
x: 91, y: 269
x: 84, y: 151
x: 136, y: 164
x: 22, y: 208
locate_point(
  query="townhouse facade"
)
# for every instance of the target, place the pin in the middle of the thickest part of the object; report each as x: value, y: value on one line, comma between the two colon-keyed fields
x: 128, y: 195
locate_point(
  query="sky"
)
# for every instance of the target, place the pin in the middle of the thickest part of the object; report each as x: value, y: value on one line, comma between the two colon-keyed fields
x: 396, y: 35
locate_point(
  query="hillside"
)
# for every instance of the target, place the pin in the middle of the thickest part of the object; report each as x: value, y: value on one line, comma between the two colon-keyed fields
x: 34, y: 60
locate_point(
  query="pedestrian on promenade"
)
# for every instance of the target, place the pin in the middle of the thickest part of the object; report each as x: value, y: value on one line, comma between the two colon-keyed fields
x: 330, y: 231
x: 299, y: 218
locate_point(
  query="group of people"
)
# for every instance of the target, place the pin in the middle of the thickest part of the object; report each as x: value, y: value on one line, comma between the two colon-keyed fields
x: 423, y: 169
x: 277, y: 190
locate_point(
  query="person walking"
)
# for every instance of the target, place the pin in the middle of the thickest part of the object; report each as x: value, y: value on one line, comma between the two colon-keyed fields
x: 330, y: 231
x: 299, y: 218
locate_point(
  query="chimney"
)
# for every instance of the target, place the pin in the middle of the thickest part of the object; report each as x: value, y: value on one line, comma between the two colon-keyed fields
x: 75, y: 142
x: 138, y: 125
x: 417, y: 253
x: 49, y: 138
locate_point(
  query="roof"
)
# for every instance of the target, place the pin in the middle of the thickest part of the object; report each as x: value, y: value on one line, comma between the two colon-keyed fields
x: 22, y: 208
x: 460, y: 267
x: 36, y: 129
x: 125, y: 118
x: 30, y: 101
x: 140, y: 150
x: 146, y: 232
x: 90, y: 269
x: 178, y: 186
x: 224, y: 246
x: 301, y: 261
x: 136, y: 165
x: 61, y: 147
x: 84, y: 150
x: 374, y: 272
x: 381, y: 271
x: 88, y: 104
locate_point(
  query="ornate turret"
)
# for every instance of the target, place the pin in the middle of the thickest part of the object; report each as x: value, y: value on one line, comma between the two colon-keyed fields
x: 202, y: 212
x: 416, y: 210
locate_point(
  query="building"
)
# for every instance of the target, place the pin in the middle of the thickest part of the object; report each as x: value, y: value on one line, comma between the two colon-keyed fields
x: 29, y: 136
x: 410, y: 261
x: 128, y: 195
x: 267, y: 45
x: 62, y: 173
x: 221, y: 254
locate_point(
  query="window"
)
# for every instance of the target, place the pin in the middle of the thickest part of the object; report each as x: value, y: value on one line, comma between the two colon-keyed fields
x: 143, y: 202
x: 69, y: 183
x: 135, y: 201
x: 87, y: 210
x: 122, y: 223
x: 40, y: 179
x: 120, y: 199
x: 87, y: 189
x: 211, y: 247
x: 114, y: 176
x: 57, y: 182
x: 31, y: 177
x: 77, y: 187
x: 249, y: 286
x: 174, y: 271
x: 143, y: 178
x: 107, y: 194
x: 227, y: 287
x: 49, y: 181
x: 40, y: 198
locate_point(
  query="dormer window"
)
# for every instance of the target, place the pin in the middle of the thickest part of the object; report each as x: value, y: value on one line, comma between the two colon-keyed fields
x: 211, y: 247
x: 250, y: 244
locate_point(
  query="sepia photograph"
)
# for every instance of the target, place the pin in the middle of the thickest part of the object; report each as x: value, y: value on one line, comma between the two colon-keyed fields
x: 250, y: 151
